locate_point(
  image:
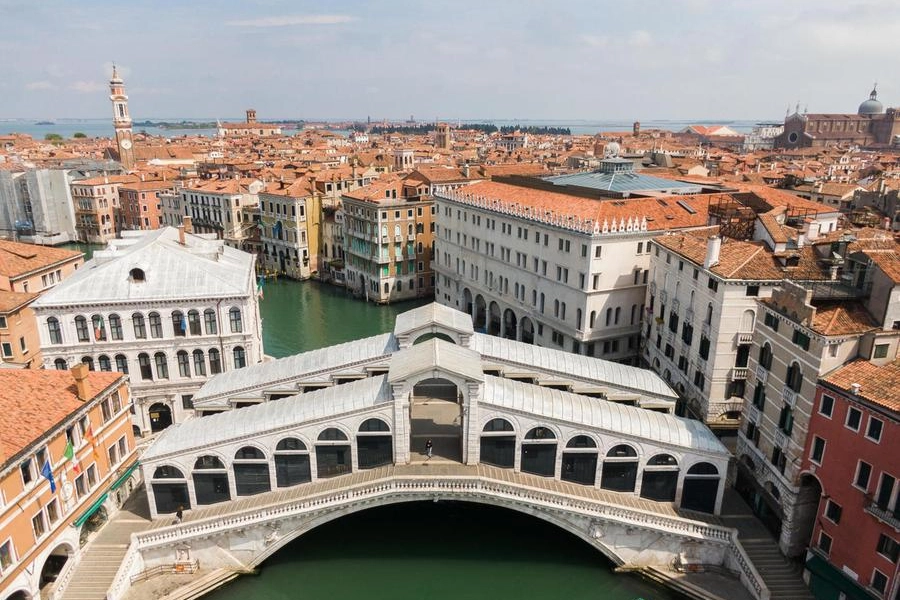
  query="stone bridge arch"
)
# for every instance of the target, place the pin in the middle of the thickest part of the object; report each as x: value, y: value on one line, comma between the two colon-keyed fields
x: 590, y: 531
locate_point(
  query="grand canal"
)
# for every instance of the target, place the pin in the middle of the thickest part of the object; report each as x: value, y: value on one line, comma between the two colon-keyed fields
x: 422, y: 551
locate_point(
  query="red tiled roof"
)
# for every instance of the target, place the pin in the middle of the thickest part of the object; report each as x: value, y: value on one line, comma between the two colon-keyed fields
x: 17, y: 259
x: 34, y: 401
x: 879, y: 385
x: 10, y: 301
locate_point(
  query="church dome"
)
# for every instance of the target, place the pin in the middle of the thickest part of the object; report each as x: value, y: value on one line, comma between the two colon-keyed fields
x: 871, y: 106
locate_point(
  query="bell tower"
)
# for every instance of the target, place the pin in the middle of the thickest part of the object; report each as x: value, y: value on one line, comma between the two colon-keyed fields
x: 121, y: 120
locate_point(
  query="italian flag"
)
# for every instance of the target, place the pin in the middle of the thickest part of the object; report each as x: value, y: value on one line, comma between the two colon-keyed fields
x: 69, y: 454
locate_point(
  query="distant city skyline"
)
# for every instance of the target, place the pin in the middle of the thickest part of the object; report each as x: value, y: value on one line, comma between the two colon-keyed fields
x: 527, y: 60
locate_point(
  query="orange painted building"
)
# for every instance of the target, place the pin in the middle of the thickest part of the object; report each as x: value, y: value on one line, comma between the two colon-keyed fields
x: 20, y: 344
x: 44, y: 525
x: 140, y: 206
x: 30, y: 268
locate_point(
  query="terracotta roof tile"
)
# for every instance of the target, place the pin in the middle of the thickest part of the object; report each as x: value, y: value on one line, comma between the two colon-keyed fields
x: 33, y: 401
x: 17, y: 259
x: 10, y: 301
x: 879, y: 385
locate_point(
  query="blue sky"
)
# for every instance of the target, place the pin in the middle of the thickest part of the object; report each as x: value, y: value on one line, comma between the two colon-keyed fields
x: 522, y: 59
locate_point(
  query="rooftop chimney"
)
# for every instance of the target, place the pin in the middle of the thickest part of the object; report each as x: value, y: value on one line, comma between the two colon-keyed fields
x: 181, y: 234
x: 80, y: 373
x: 188, y: 226
x: 854, y: 388
x: 713, y: 247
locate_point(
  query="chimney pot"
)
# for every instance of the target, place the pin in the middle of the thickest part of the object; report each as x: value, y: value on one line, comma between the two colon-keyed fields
x: 855, y: 388
x: 181, y: 234
x: 188, y: 225
x: 80, y: 374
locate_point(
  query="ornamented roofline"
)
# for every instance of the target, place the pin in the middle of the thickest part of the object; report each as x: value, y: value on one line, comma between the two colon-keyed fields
x: 548, y: 217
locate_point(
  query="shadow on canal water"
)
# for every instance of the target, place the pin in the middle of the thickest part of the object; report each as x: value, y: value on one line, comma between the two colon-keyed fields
x: 305, y: 315
x: 437, y: 551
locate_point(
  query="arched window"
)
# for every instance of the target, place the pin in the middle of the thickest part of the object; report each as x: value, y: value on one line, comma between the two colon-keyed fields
x: 162, y: 365
x: 620, y: 469
x: 89, y: 361
x: 122, y: 363
x: 210, y: 480
x: 137, y: 322
x: 608, y: 316
x: 199, y: 363
x: 617, y: 315
x: 54, y: 330
x: 179, y: 323
x: 709, y: 313
x: 579, y: 460
x: 212, y: 324
x: 103, y: 363
x: 81, y: 329
x: 578, y: 315
x: 748, y: 321
x: 495, y: 425
x: 194, y: 322
x: 136, y: 275
x: 251, y: 472
x: 498, y: 444
x: 332, y: 453
x: 794, y: 379
x: 374, y: 444
x: 155, y: 325
x: 184, y: 363
x: 60, y: 364
x: 701, y: 487
x: 99, y: 328
x: 115, y: 327
x: 660, y: 478
x: 291, y: 463
x: 215, y: 361
x: 240, y: 360
x: 765, y: 356
x: 234, y: 317
x: 144, y: 362
x: 170, y: 490
x: 593, y: 318
x: 539, y: 452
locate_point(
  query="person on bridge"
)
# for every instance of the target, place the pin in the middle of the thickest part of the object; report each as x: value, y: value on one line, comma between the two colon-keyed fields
x: 428, y: 447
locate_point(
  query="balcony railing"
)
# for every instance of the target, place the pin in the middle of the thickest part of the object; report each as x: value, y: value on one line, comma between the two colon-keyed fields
x: 761, y: 374
x: 789, y: 396
x: 744, y: 338
x: 884, y: 515
x: 739, y: 373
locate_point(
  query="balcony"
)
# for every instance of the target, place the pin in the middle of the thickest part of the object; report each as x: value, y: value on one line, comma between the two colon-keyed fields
x: 884, y: 515
x: 789, y: 396
x: 744, y: 338
x: 739, y: 373
x: 781, y: 440
x: 752, y: 413
x: 761, y: 374
x: 398, y: 238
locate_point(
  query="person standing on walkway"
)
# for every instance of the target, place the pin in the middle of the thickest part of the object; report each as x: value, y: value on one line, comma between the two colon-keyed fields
x: 428, y: 447
x: 179, y: 514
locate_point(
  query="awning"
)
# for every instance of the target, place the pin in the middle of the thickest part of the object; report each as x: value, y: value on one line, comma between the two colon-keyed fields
x: 124, y: 476
x: 827, y: 580
x: 93, y: 508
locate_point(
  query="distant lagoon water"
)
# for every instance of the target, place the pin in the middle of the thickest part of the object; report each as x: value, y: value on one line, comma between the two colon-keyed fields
x: 103, y: 127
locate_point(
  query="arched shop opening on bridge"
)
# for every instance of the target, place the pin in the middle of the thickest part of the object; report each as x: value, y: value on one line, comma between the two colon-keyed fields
x: 480, y: 399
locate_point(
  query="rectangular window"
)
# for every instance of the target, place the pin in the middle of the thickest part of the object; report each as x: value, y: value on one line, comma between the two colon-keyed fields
x: 753, y: 290
x: 92, y: 476
x: 854, y: 416
x: 863, y: 472
x: 27, y: 470
x: 826, y: 406
x: 879, y: 581
x: 881, y: 351
x: 113, y: 455
x: 6, y: 349
x: 824, y: 542
x: 6, y: 555
x: 771, y: 321
x: 713, y: 285
x: 53, y: 511
x: 833, y: 511
x: 598, y: 251
x: 38, y: 525
x: 801, y: 339
x: 888, y: 547
x: 886, y: 493
x: 818, y: 450
x: 873, y: 431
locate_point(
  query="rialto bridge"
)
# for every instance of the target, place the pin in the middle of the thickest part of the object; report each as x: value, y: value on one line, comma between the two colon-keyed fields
x: 640, y: 485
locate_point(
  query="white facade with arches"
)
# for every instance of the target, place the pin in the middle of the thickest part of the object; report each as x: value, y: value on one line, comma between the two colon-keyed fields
x: 344, y: 426
x: 170, y: 309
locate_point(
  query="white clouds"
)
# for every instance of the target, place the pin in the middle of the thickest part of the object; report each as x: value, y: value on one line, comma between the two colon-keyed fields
x: 286, y: 20
x: 40, y: 85
x: 640, y: 39
x: 87, y: 87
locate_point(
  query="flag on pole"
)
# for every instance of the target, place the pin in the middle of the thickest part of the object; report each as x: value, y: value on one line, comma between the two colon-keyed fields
x: 89, y: 436
x: 259, y: 287
x: 47, y: 472
x: 69, y: 454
